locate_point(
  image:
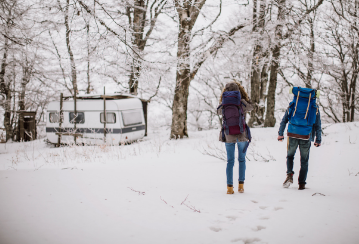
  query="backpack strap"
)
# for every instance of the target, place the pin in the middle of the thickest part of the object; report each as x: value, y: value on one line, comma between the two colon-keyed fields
x: 241, y: 121
x: 249, y: 138
x: 296, y: 103
x: 225, y: 126
x: 306, y: 113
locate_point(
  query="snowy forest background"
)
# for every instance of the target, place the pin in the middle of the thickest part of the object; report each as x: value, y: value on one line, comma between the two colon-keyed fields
x: 179, y: 54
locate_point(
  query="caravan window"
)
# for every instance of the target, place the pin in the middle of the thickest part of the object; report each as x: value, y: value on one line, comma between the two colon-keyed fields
x: 110, y: 118
x: 80, y: 118
x: 54, y: 118
x: 132, y: 117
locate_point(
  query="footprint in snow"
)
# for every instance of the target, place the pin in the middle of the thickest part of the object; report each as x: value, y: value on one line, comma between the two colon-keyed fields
x: 264, y: 218
x: 215, y: 229
x: 254, y: 201
x: 259, y: 227
x: 263, y: 207
x: 283, y: 200
x: 231, y: 218
x: 246, y: 240
x: 277, y: 208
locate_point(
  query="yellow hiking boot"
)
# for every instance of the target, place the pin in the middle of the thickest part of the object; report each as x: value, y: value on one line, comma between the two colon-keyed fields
x: 230, y: 190
x: 240, y: 187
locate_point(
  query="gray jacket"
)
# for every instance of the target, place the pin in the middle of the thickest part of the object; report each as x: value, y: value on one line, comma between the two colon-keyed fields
x: 247, y: 107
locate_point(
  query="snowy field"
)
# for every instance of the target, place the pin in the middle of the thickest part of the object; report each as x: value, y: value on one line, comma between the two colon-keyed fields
x: 171, y: 191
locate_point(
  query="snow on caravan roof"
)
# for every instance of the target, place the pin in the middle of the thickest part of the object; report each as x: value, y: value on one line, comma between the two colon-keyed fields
x: 109, y: 96
x: 97, y: 105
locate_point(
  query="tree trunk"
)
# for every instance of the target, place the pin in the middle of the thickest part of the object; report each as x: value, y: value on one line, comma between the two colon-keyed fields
x: 72, y: 61
x: 187, y: 14
x: 308, y: 83
x: 345, y: 96
x: 256, y: 118
x: 263, y: 89
x: 138, y: 26
x: 26, y: 76
x: 7, y: 115
x: 180, y: 100
x: 88, y: 89
x: 355, y: 66
x: 352, y: 92
x: 255, y: 85
x: 270, y: 118
x: 135, y: 75
x: 21, y: 108
x: 69, y: 50
x: 5, y: 89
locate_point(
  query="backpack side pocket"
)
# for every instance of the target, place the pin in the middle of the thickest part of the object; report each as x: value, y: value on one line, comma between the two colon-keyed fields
x: 290, y: 110
x: 312, y: 114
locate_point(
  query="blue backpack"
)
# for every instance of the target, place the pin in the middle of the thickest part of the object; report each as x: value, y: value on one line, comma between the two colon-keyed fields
x: 302, y: 113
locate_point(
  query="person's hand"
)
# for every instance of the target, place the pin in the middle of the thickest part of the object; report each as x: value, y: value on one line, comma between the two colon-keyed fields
x: 280, y: 138
x: 317, y: 144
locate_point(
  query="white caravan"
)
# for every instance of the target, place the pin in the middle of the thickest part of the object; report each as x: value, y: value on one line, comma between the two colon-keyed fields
x: 125, y: 120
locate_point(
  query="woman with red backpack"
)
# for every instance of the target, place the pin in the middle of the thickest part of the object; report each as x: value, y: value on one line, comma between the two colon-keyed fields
x: 235, y: 104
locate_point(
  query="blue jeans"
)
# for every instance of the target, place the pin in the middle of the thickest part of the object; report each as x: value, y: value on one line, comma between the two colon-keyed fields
x: 304, y: 148
x: 230, y: 148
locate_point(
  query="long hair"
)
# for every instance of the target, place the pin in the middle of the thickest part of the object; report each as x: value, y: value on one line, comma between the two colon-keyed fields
x: 244, y: 94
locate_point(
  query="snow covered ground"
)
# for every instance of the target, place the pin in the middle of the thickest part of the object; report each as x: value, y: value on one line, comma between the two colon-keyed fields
x: 162, y: 191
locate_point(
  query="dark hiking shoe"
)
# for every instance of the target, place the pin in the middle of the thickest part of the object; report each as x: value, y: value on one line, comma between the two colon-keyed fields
x: 301, y: 187
x: 288, y: 181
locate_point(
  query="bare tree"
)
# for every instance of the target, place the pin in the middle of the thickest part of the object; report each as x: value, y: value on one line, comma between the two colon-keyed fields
x: 142, y: 16
x: 342, y: 37
x: 270, y: 118
x: 138, y: 21
x: 188, y: 12
x: 277, y: 44
x: 11, y: 13
x: 259, y: 75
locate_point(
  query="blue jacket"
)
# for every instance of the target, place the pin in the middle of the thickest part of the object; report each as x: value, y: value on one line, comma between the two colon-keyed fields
x: 316, y: 131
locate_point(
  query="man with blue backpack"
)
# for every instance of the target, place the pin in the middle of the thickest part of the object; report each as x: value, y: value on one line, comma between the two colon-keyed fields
x: 304, y: 126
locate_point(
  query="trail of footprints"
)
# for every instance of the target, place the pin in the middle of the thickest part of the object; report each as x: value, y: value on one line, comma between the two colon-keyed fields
x: 255, y: 229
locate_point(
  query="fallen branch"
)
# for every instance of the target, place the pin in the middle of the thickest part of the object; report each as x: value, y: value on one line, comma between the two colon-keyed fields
x: 352, y: 142
x: 38, y: 167
x: 166, y: 202
x: 214, y: 150
x: 10, y: 167
x: 70, y: 168
x: 139, y: 192
x: 189, y: 206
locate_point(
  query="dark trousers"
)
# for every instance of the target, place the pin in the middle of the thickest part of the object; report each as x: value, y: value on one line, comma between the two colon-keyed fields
x: 304, y: 148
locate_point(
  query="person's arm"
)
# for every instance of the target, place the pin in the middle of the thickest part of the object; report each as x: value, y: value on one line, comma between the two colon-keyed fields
x: 219, y: 110
x: 246, y: 106
x: 282, y: 126
x: 318, y: 130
